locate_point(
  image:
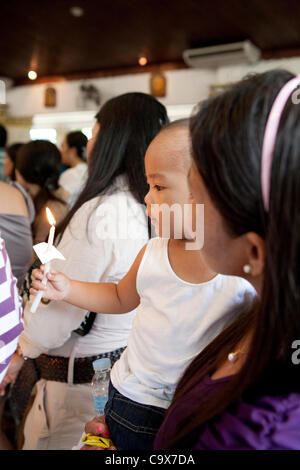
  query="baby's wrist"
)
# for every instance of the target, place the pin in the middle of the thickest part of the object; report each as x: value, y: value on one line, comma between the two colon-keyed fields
x: 68, y: 291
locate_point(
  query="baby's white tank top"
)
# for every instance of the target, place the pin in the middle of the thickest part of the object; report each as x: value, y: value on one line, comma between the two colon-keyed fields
x: 174, y: 322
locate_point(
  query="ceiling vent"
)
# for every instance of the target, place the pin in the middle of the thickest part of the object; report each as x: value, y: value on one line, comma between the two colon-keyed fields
x: 224, y: 54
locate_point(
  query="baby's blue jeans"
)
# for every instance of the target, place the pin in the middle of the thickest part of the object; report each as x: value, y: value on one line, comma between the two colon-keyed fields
x: 132, y: 425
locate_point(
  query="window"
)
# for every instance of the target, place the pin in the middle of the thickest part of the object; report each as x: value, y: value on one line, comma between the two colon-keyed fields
x: 44, y: 134
x: 87, y: 131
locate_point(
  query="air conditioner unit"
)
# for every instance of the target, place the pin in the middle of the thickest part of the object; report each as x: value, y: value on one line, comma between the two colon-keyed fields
x: 224, y: 54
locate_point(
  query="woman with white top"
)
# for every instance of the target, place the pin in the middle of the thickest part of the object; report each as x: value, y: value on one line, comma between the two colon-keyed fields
x: 97, y: 247
x: 73, y: 154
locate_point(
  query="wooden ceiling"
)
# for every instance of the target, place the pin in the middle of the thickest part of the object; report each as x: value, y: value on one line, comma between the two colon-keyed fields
x: 109, y: 37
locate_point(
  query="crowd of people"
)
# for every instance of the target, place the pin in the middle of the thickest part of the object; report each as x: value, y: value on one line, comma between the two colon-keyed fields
x: 199, y: 337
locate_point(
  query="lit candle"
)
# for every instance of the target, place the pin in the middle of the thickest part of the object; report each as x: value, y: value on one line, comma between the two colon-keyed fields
x: 51, y: 221
x: 39, y: 295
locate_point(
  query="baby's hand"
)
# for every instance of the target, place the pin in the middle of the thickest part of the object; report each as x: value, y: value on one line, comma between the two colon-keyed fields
x: 57, y: 287
x: 97, y: 426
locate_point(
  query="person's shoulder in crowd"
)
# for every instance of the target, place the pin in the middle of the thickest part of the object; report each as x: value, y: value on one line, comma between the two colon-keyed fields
x: 12, y: 201
x: 267, y: 423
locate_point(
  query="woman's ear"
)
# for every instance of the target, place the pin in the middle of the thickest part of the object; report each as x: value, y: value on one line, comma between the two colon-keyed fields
x: 256, y: 254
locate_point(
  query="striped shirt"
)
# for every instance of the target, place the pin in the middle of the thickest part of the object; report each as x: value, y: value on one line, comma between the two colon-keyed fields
x: 11, y: 322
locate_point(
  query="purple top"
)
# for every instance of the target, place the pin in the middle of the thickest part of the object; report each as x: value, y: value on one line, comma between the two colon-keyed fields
x: 11, y: 323
x: 267, y: 423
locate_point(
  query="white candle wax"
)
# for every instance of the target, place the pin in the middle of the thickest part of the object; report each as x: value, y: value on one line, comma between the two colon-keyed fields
x: 51, y: 236
x: 39, y: 295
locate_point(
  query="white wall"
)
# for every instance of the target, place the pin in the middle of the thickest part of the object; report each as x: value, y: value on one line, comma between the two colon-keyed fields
x: 185, y: 86
x: 235, y: 73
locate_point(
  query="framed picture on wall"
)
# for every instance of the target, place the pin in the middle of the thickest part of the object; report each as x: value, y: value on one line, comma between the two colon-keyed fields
x: 158, y: 85
x: 50, y: 97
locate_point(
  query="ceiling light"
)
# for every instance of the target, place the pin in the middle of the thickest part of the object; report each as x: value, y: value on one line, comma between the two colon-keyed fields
x: 76, y: 11
x: 143, y: 60
x: 32, y: 75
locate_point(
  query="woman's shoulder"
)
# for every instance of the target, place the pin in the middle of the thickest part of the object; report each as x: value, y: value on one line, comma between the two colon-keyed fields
x: 268, y: 422
x: 12, y: 200
x: 275, y: 418
x: 28, y: 200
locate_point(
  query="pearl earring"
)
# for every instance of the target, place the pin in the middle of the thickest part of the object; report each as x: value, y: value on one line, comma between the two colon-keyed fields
x: 247, y: 268
x: 232, y: 357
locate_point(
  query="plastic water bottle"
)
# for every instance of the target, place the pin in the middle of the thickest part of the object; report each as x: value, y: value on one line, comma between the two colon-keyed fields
x: 100, y: 384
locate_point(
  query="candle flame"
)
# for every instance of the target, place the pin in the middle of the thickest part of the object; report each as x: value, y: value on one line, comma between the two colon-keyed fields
x: 50, y: 217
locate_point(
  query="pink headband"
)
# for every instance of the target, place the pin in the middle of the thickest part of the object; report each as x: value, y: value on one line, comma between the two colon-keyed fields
x: 270, y: 137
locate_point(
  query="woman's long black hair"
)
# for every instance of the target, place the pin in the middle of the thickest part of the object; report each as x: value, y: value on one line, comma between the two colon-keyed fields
x: 39, y: 162
x: 227, y: 136
x: 128, y: 123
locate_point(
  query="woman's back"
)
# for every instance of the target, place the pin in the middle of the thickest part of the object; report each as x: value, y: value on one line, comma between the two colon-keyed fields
x: 16, y: 215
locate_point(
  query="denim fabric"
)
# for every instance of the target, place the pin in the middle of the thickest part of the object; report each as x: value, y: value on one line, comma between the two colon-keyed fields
x: 132, y: 425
